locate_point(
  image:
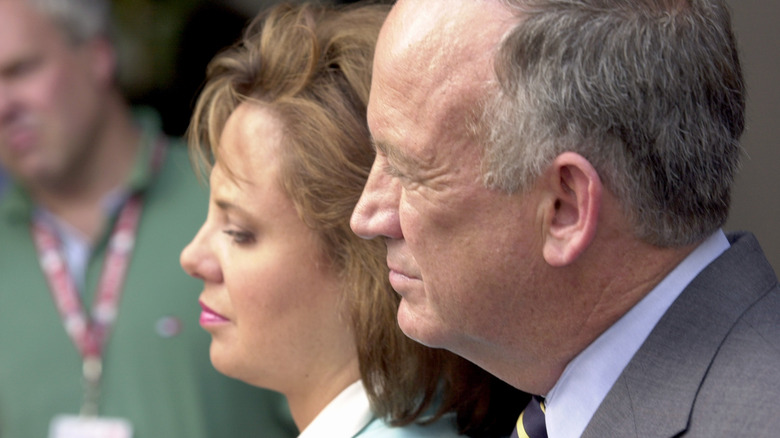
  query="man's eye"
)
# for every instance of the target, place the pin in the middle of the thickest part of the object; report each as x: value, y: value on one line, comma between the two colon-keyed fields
x: 393, y: 171
x: 23, y: 67
x: 240, y: 237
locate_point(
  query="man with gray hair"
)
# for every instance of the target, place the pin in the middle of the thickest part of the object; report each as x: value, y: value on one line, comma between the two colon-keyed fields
x: 98, y: 325
x: 551, y: 180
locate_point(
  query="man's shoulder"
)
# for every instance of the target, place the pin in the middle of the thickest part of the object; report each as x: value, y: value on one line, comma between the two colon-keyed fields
x: 749, y: 355
x: 741, y: 391
x: 711, y: 362
x: 732, y: 307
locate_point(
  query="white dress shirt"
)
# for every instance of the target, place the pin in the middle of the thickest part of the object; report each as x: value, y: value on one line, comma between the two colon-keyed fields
x: 587, y: 379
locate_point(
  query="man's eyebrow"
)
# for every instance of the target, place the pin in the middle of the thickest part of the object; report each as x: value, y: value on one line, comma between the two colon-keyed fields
x: 394, y: 155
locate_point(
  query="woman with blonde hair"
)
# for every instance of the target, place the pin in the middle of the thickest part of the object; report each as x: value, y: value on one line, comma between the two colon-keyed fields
x: 294, y: 301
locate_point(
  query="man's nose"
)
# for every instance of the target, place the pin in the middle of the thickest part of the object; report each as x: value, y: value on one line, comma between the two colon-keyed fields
x: 376, y: 213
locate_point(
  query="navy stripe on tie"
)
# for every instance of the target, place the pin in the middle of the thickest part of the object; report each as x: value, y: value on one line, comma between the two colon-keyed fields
x: 533, y: 419
x: 531, y: 422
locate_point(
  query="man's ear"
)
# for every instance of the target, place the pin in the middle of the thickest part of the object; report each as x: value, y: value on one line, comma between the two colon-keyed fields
x: 572, y: 208
x: 103, y: 59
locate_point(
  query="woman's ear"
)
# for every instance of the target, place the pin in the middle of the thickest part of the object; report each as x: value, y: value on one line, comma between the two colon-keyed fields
x: 572, y: 211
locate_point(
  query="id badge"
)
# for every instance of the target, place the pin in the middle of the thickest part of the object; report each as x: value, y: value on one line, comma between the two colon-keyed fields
x: 74, y: 426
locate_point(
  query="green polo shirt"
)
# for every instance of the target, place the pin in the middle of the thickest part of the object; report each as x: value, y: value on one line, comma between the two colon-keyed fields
x: 157, y: 372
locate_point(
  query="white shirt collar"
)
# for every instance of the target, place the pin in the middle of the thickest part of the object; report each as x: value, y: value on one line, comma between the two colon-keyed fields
x: 588, y: 377
x: 343, y: 417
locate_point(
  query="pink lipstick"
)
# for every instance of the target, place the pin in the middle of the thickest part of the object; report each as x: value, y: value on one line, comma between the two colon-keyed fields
x: 209, y: 316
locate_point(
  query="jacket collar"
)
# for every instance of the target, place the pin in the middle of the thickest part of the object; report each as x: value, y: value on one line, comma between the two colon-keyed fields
x: 654, y: 395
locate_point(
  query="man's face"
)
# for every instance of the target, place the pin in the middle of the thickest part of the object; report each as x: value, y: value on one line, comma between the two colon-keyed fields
x: 49, y: 96
x: 458, y: 252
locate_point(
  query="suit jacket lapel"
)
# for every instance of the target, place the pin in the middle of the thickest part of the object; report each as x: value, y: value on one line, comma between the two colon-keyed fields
x: 654, y: 395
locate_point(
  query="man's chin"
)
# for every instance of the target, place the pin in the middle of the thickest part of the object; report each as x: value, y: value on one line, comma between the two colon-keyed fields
x: 419, y: 328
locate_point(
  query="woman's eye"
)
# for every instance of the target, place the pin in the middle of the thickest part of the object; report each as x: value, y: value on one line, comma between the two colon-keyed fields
x: 240, y: 237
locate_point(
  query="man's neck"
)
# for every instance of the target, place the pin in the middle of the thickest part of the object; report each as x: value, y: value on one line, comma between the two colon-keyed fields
x: 614, y: 276
x: 83, y: 212
x: 78, y: 199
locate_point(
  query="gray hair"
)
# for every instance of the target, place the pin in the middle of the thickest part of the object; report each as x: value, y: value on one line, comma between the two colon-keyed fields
x: 79, y: 19
x: 649, y: 91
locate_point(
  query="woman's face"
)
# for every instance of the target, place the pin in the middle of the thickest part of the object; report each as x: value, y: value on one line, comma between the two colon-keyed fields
x: 270, y: 299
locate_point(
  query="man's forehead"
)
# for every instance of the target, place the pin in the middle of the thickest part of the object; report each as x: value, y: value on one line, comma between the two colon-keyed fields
x: 23, y: 28
x: 433, y: 57
x: 417, y: 26
x: 439, y: 39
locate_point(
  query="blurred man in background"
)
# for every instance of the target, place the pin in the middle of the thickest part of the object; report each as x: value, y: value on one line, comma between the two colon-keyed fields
x: 96, y: 318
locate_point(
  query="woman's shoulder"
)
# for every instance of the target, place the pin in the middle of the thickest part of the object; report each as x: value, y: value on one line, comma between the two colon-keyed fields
x: 441, y: 428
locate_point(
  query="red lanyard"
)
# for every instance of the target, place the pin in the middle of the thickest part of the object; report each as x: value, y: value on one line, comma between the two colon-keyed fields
x: 89, y: 332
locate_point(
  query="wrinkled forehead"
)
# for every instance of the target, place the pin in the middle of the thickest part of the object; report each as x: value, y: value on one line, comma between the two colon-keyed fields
x: 435, y: 53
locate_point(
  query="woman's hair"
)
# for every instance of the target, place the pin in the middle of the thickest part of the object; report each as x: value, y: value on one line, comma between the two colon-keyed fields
x: 310, y: 66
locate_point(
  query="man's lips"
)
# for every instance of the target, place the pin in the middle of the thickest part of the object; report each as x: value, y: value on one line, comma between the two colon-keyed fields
x: 400, y: 279
x: 402, y: 270
x: 209, y: 316
x: 19, y: 140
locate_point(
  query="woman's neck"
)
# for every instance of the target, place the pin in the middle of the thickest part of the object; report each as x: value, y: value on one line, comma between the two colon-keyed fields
x: 312, y: 394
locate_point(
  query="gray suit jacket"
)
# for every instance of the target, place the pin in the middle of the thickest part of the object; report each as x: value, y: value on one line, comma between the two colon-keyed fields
x: 711, y: 367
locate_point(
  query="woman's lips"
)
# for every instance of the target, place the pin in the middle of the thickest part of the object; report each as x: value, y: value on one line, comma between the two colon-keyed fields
x: 209, y: 316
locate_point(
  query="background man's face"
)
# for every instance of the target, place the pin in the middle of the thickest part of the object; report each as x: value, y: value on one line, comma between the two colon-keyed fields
x: 49, y: 95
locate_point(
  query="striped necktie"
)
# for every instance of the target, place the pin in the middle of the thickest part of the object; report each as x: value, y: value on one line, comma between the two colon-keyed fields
x: 531, y: 421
